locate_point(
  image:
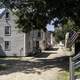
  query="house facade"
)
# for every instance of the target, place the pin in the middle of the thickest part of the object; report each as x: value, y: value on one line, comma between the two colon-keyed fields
x: 16, y: 43
x: 12, y: 41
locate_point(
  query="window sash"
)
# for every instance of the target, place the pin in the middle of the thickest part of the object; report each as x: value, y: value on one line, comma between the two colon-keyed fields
x: 39, y: 34
x: 7, y: 30
x: 7, y: 14
x: 7, y: 45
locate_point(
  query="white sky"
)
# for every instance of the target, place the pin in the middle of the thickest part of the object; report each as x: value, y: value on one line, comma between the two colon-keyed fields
x: 50, y: 27
x: 2, y: 10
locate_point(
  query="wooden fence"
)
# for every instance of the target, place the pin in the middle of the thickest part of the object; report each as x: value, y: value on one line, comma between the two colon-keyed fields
x: 74, y: 64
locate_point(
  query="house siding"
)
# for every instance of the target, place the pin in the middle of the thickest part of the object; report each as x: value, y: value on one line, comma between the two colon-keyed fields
x: 16, y: 38
x: 21, y: 44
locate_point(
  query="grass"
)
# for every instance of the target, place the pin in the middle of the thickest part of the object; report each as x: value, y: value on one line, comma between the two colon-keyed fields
x: 77, y: 73
x: 63, y: 75
x: 4, y: 66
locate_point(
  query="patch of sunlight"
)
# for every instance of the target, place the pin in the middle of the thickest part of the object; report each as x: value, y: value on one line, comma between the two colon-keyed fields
x: 17, y: 58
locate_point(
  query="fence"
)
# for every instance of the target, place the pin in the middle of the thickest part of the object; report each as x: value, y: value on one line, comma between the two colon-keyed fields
x: 74, y: 64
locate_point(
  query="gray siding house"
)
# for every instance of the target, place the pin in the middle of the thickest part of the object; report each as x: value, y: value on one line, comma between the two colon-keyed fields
x: 16, y: 43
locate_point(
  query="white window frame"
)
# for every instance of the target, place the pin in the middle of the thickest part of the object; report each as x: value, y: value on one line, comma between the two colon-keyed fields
x: 7, y: 32
x: 7, y: 47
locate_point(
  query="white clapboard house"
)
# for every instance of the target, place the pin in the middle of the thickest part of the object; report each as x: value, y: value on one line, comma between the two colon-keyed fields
x: 16, y: 43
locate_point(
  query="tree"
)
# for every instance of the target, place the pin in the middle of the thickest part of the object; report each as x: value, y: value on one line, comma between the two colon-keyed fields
x: 67, y: 27
x: 32, y: 15
x: 37, y: 13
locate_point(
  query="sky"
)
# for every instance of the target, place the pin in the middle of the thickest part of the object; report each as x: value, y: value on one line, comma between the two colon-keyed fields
x: 50, y: 27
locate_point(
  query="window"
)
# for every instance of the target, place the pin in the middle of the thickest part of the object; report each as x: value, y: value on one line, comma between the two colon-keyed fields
x: 7, y: 45
x: 37, y: 44
x: 7, y: 30
x: 7, y: 14
x: 39, y: 34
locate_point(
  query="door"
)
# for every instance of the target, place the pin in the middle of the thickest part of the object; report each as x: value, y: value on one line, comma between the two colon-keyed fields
x: 37, y: 44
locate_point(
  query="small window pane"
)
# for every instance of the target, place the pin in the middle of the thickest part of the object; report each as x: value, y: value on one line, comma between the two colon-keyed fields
x: 7, y: 45
x: 37, y: 44
x: 7, y: 14
x: 39, y: 34
x: 7, y: 30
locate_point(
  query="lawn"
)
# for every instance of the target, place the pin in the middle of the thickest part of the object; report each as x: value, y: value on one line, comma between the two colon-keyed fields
x: 63, y: 75
x: 77, y: 73
x: 4, y: 66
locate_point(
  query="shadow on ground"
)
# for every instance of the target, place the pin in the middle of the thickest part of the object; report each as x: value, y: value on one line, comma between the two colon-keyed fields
x: 31, y: 66
x: 51, y: 49
x: 44, y: 55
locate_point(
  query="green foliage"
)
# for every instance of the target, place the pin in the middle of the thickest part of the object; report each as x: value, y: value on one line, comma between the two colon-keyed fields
x: 31, y: 15
x: 63, y: 75
x: 59, y: 35
x: 67, y: 27
x: 37, y: 13
x: 4, y: 66
x: 70, y: 26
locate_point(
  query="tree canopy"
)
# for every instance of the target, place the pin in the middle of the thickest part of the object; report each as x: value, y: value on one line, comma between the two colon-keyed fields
x: 67, y: 27
x: 35, y: 14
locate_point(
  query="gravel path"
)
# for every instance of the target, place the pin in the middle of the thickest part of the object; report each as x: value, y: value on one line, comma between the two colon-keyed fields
x: 44, y: 67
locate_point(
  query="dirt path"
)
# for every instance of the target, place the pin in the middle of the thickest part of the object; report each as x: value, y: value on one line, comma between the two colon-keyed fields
x: 43, y: 67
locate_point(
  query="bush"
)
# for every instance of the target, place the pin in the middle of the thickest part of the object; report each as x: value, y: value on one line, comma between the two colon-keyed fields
x: 59, y: 35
